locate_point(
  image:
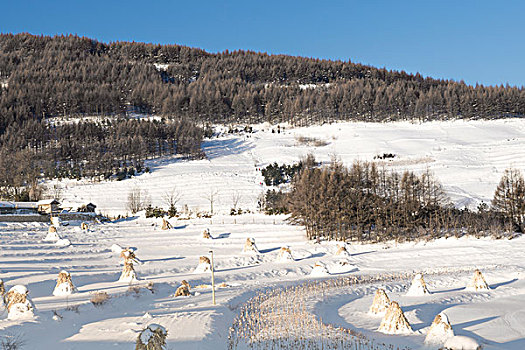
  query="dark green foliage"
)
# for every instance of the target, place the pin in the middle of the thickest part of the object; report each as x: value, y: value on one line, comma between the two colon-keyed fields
x: 156, y: 212
x: 276, y: 203
x: 275, y: 174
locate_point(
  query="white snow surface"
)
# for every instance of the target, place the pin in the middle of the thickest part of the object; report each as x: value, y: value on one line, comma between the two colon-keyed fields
x: 467, y: 156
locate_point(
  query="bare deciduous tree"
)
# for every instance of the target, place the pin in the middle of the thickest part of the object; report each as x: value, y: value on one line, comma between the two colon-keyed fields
x: 236, y: 197
x: 138, y: 200
x: 211, y: 197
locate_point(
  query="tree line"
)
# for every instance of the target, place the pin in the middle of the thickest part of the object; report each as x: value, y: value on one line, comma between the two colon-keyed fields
x: 98, y: 150
x: 364, y: 202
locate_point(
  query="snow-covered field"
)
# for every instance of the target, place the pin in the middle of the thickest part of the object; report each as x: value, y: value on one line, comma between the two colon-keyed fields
x: 468, y: 157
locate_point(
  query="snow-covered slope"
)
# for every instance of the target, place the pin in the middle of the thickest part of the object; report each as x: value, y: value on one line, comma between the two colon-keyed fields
x: 468, y: 157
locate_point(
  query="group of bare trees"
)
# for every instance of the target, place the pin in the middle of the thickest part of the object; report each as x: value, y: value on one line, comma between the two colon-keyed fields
x: 366, y: 203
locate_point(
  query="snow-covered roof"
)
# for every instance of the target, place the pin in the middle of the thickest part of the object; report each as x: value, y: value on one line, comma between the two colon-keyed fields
x: 26, y: 205
x: 4, y: 204
x: 47, y: 201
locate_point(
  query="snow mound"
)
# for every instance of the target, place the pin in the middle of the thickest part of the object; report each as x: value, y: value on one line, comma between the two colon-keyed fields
x: 64, y: 284
x: 18, y: 304
x: 55, y: 220
x: 63, y: 242
x: 115, y: 248
x: 319, y: 270
x: 284, y: 255
x: 204, y: 265
x: 52, y: 235
x: 394, y: 321
x: 440, y: 330
x: 380, y: 304
x: 128, y: 273
x: 418, y: 287
x: 477, y: 283
x: 460, y: 342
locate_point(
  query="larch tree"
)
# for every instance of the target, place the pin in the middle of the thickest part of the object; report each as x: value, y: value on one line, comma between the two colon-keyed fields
x: 509, y: 197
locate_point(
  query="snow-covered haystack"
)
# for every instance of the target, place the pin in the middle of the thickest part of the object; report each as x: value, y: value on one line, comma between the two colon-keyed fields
x: 84, y: 226
x: 250, y: 247
x: 284, y: 255
x: 319, y: 270
x: 478, y: 282
x: 204, y: 265
x: 55, y: 220
x: 52, y: 234
x: 128, y: 272
x: 18, y: 304
x: 152, y: 337
x: 460, y: 342
x: 183, y: 290
x: 342, y: 251
x: 394, y: 321
x: 440, y: 330
x: 380, y: 304
x: 418, y: 287
x: 2, y: 293
x: 64, y: 284
x: 166, y: 224
x: 206, y: 234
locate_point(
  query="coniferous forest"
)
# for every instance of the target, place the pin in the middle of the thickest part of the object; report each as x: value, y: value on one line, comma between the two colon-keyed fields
x: 46, y: 81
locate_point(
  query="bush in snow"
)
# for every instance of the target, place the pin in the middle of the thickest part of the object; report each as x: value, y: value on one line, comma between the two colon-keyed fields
x: 284, y: 255
x: 204, y: 265
x: 84, y: 226
x: 440, y: 330
x: 418, y: 287
x: 64, y: 284
x: 459, y: 342
x: 152, y: 337
x: 99, y: 298
x: 166, y: 224
x: 478, y: 282
x: 380, y: 304
x: 394, y: 321
x: 18, y: 304
x: 183, y: 290
x: 250, y: 247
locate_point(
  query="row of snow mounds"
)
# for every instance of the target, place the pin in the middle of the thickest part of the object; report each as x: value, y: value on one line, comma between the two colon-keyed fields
x: 419, y: 286
x: 440, y: 332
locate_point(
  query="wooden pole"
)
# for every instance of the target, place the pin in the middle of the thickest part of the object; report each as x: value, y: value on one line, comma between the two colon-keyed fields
x: 212, y: 278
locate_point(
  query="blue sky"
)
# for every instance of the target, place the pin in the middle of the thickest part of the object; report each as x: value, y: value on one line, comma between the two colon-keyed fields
x: 475, y: 41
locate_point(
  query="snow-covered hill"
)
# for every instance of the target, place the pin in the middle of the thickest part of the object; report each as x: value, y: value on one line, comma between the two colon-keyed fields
x: 468, y: 157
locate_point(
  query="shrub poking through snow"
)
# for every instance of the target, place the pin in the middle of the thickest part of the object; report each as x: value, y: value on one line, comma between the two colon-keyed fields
x: 2, y: 294
x: 84, y: 226
x: 204, y: 265
x: 284, y: 255
x: 128, y: 272
x: 341, y: 251
x: 380, y: 304
x: 166, y: 224
x: 183, y: 290
x: 18, y: 304
x: 319, y: 270
x: 418, y: 287
x: 206, y: 234
x: 460, y: 342
x: 250, y: 247
x: 152, y: 337
x: 99, y: 298
x: 394, y: 321
x: 52, y: 234
x: 478, y: 282
x: 440, y: 330
x: 64, y: 284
